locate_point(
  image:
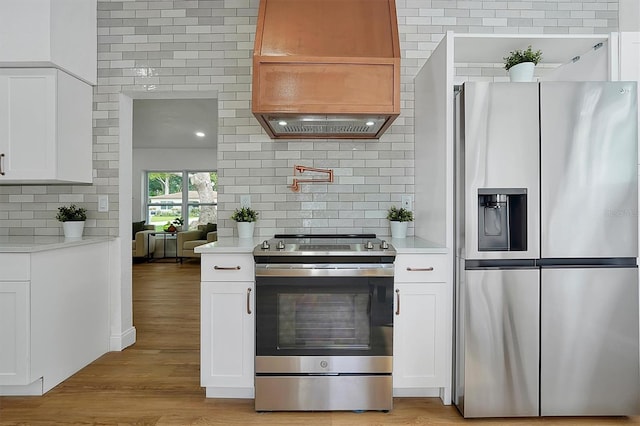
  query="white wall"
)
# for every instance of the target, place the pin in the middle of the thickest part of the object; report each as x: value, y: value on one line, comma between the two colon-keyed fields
x: 629, y: 11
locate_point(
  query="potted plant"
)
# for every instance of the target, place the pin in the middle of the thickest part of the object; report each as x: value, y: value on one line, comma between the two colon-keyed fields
x: 521, y: 63
x: 399, y: 219
x: 72, y: 218
x: 178, y: 222
x: 246, y: 218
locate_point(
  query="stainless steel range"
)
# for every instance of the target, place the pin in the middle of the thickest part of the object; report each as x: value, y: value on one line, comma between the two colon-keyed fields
x: 324, y: 323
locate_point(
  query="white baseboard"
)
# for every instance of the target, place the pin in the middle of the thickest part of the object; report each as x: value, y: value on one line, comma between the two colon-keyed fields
x: 244, y: 393
x: 123, y: 340
x: 33, y: 389
x: 416, y: 392
x: 443, y: 393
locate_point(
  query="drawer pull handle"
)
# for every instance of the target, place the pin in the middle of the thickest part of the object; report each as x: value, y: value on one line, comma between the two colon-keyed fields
x: 2, y: 164
x: 226, y: 268
x: 410, y: 269
x: 397, y: 301
x: 249, y: 301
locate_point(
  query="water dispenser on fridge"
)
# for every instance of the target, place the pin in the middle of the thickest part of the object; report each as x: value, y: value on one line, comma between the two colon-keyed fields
x: 502, y: 219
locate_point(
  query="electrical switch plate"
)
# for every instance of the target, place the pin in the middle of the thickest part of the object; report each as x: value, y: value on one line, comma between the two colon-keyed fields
x: 406, y: 202
x: 103, y: 203
x: 245, y: 201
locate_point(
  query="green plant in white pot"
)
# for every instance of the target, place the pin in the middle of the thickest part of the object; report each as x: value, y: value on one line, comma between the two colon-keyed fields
x: 246, y: 219
x: 521, y: 63
x: 399, y: 219
x: 72, y: 218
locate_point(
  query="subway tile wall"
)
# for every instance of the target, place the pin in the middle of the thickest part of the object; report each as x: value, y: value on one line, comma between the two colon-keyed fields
x: 203, y: 45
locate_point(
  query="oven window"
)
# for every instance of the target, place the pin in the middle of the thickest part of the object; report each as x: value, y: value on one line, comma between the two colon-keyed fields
x: 323, y: 321
x: 324, y: 316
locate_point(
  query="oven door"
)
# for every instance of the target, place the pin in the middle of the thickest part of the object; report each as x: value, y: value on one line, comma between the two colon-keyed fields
x: 327, y: 322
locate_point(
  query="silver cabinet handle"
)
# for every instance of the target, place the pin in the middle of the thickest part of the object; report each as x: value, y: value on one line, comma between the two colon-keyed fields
x: 410, y: 269
x: 397, y: 301
x: 249, y: 301
x: 226, y: 268
x: 2, y: 164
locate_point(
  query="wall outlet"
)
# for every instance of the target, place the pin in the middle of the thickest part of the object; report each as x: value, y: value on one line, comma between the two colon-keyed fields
x: 406, y: 202
x: 245, y: 201
x: 103, y: 203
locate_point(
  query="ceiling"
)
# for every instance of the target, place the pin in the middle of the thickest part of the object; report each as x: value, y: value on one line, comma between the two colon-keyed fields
x: 172, y: 123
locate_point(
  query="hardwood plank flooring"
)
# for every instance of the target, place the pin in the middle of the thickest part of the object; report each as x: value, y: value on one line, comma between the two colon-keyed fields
x: 156, y: 381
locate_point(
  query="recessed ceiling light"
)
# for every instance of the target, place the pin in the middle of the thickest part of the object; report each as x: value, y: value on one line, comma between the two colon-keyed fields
x: 200, y: 134
x: 282, y: 123
x: 369, y: 123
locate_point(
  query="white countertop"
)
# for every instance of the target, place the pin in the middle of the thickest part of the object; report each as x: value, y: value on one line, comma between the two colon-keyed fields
x: 230, y: 245
x: 407, y: 245
x: 24, y: 244
x: 415, y: 245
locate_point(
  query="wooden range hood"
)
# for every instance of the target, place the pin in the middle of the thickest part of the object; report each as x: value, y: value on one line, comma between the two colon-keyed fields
x: 326, y: 68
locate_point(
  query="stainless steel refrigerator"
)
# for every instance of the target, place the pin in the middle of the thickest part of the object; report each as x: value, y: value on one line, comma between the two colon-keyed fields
x: 546, y: 244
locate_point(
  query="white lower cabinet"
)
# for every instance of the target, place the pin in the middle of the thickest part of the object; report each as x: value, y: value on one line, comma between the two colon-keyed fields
x: 422, y: 327
x: 45, y: 127
x: 54, y: 315
x: 228, y: 329
x: 14, y: 333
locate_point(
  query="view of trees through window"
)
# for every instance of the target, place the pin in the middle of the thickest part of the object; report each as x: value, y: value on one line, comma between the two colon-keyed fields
x: 172, y: 194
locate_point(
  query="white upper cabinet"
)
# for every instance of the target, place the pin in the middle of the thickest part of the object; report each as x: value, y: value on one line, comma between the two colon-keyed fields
x: 45, y: 127
x: 50, y: 33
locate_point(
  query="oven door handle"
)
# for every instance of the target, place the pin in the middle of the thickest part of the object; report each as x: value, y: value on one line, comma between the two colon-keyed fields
x: 324, y: 270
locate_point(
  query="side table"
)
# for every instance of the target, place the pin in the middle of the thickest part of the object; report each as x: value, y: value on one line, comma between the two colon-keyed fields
x: 164, y: 235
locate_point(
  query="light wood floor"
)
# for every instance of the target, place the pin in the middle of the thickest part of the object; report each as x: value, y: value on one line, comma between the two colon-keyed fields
x: 156, y: 381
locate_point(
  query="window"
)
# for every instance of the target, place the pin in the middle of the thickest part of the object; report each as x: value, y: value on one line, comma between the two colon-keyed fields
x: 172, y: 194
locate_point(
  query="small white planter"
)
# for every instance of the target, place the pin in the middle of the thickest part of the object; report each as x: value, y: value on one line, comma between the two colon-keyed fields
x: 245, y: 229
x: 522, y: 72
x: 73, y: 229
x: 398, y: 229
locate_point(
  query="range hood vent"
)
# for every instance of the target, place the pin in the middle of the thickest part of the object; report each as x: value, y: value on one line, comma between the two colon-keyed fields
x: 326, y: 68
x: 327, y: 126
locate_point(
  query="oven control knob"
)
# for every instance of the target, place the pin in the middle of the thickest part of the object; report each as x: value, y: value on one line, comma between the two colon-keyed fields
x: 280, y: 245
x: 384, y: 245
x: 324, y: 364
x: 265, y: 245
x: 369, y: 245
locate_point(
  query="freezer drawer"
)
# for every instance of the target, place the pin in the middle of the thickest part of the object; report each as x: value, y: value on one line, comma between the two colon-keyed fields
x: 498, y: 346
x: 589, y: 342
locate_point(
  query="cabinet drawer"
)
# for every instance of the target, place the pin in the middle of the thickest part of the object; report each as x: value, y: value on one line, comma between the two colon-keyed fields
x: 15, y: 267
x: 413, y: 268
x: 227, y: 267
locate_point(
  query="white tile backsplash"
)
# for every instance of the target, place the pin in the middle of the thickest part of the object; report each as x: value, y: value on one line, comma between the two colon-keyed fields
x: 173, y: 45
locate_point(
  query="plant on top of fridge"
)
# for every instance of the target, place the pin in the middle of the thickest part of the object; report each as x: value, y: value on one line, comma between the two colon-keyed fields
x: 519, y: 56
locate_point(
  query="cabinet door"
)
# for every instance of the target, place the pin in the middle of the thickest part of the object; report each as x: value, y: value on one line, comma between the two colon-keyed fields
x: 14, y: 333
x: 419, y: 336
x: 27, y: 125
x: 45, y: 127
x: 227, y: 338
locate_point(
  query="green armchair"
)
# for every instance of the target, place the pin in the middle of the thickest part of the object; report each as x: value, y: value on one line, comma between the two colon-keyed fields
x: 188, y: 240
x: 143, y: 244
